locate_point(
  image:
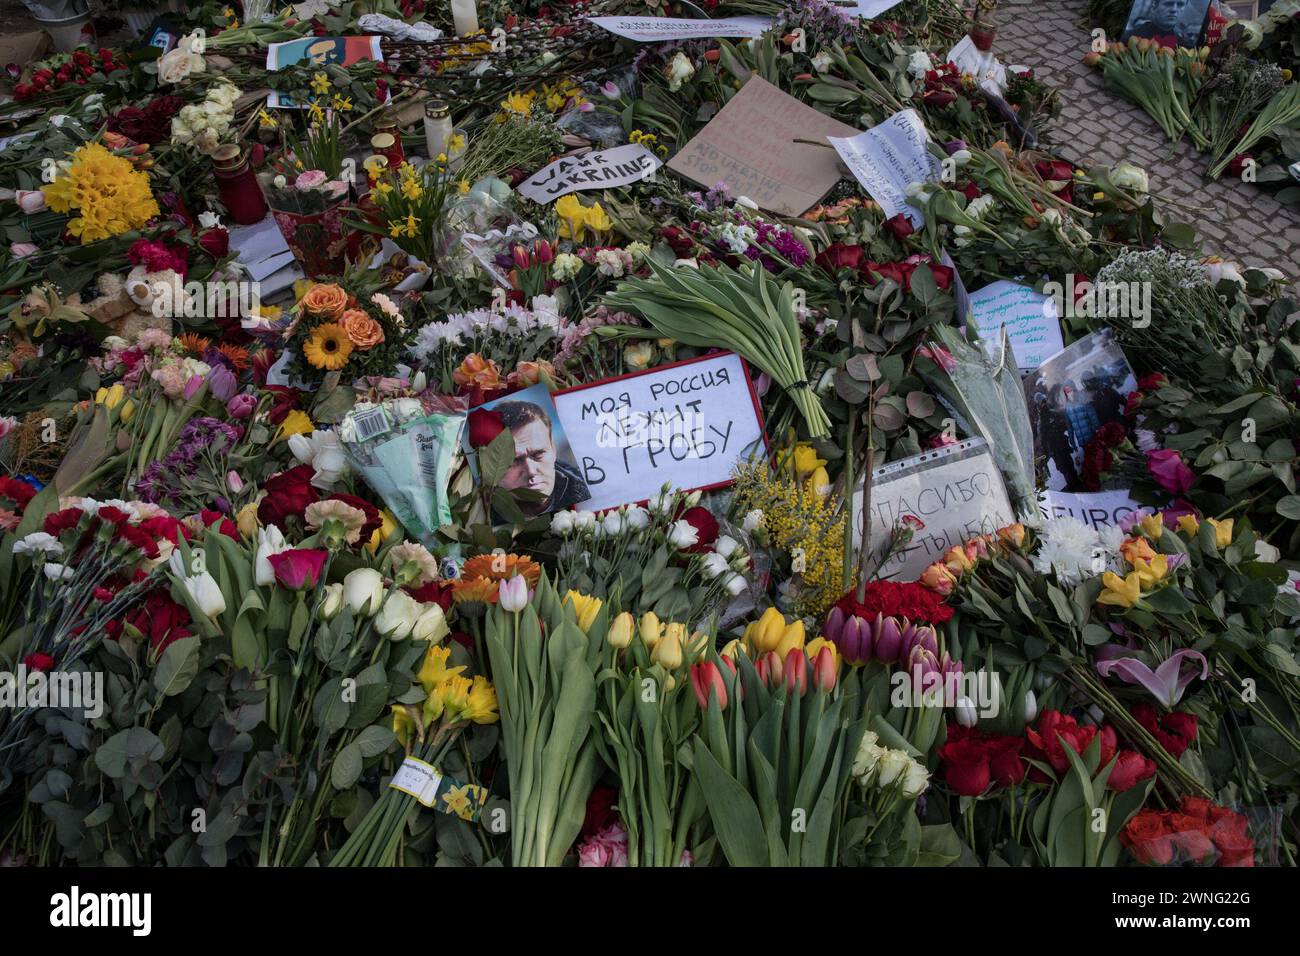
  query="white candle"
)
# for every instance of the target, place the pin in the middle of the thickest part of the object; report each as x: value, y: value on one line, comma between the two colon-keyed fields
x: 464, y: 14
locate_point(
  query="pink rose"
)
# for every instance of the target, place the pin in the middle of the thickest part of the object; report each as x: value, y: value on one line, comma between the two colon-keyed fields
x: 593, y: 854
x: 1167, y: 468
x: 311, y: 179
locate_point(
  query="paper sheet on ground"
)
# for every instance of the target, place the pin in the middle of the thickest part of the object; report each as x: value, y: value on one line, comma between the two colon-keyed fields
x: 750, y: 145
x: 601, y: 169
x: 888, y: 158
x: 660, y: 29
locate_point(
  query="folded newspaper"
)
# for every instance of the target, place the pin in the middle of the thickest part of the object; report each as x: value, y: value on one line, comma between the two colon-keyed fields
x: 407, y: 456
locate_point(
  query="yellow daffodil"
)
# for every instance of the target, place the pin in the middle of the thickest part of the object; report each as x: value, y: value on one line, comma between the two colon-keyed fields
x: 265, y: 120
x: 1222, y: 530
x: 521, y: 104
x: 316, y: 114
x: 454, y: 692
x: 341, y: 103
x: 434, y: 669
x: 403, y: 725
x: 295, y: 423
x: 320, y: 83
x: 596, y: 219
x: 1120, y: 592
x: 481, y: 702
x: 805, y: 460
x: 572, y: 215
x: 586, y: 608
x: 462, y: 186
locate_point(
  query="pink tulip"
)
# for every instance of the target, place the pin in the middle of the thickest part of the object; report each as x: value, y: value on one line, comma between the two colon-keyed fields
x: 31, y: 201
x: 1167, y: 468
x: 512, y: 594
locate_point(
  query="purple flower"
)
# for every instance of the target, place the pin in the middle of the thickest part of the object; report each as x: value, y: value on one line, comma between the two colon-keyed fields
x: 1166, y: 683
x: 222, y: 383
x: 241, y: 406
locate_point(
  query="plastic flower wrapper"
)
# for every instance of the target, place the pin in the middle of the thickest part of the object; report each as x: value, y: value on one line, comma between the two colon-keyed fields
x: 986, y: 398
x: 406, y: 455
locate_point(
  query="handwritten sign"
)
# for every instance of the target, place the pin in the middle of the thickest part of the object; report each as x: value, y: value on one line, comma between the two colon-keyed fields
x: 948, y: 495
x: 988, y: 72
x: 1098, y: 509
x: 888, y: 158
x: 688, y: 424
x: 603, y: 169
x: 750, y: 145
x: 867, y: 8
x: 1030, y: 318
x: 660, y: 29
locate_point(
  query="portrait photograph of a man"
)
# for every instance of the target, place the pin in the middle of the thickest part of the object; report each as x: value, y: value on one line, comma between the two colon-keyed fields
x: 1175, y: 22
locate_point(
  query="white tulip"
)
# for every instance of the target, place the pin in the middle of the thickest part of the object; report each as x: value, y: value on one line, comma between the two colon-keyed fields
x: 269, y: 541
x: 363, y: 590
x: 967, y: 714
x: 1031, y: 706
x: 205, y: 593
x: 324, y: 452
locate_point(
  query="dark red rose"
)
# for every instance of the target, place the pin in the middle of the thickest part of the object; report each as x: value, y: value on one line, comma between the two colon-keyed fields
x: 215, y: 242
x: 485, y: 424
x: 1008, y: 769
x: 1175, y: 731
x: 1147, y: 837
x: 1056, y: 731
x: 900, y: 226
x: 705, y: 525
x: 39, y: 662
x: 215, y: 519
x: 600, y: 811
x: 939, y: 98
x: 966, y: 767
x: 971, y: 191
x: 433, y: 592
x: 160, y: 619
x: 283, y: 398
x: 287, y: 495
x: 1236, y: 849
x: 1152, y: 381
x: 838, y: 256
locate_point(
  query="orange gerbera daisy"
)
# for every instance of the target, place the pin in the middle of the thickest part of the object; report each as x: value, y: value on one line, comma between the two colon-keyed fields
x: 237, y: 354
x: 194, y: 343
x: 498, y: 567
x: 474, y: 589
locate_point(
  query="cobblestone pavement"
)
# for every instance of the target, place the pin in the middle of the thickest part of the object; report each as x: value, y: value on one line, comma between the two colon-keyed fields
x: 1236, y: 220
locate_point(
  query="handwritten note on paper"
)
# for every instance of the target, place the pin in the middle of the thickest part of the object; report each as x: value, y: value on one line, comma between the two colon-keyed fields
x: 750, y: 145
x: 949, y: 496
x: 603, y: 169
x: 867, y: 8
x: 659, y: 29
x: 1030, y: 319
x: 888, y: 158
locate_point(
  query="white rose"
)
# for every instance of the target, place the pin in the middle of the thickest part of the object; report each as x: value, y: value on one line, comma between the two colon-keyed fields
x: 1130, y: 177
x: 178, y: 64
x: 680, y: 70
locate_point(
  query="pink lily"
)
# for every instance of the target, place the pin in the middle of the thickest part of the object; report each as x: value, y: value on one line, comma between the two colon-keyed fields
x: 1166, y: 683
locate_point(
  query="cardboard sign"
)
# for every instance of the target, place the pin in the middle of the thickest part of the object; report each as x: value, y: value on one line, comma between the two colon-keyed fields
x: 988, y: 72
x: 750, y: 145
x: 953, y: 493
x: 603, y: 169
x: 1030, y: 319
x: 888, y: 158
x: 660, y: 29
x: 686, y: 424
x: 1098, y: 509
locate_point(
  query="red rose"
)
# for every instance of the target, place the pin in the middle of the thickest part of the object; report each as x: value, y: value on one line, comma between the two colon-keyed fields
x: 160, y: 619
x: 971, y: 191
x: 215, y: 242
x: 1175, y: 731
x: 39, y: 662
x: 1236, y: 849
x: 1152, y: 381
x: 900, y: 226
x: 1005, y: 763
x: 284, y: 398
x: 942, y: 276
x: 1148, y: 839
x: 966, y: 767
x: 839, y: 255
x: 287, y: 495
x: 705, y: 525
x: 1130, y: 769
x: 1189, y: 837
x: 484, y: 425
x: 600, y: 811
x: 939, y: 98
x: 1055, y: 732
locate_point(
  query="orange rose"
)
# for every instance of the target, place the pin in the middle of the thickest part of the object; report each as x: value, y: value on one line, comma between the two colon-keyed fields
x: 326, y: 300
x: 361, y: 328
x: 476, y: 370
x: 530, y: 373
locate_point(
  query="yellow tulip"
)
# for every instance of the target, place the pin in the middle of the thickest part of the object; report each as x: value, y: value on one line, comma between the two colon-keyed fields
x: 791, y: 637
x: 1150, y: 572
x: 1153, y: 526
x: 246, y: 520
x: 668, y: 652
x: 650, y: 629
x: 1222, y: 531
x: 1189, y: 525
x: 585, y: 607
x: 765, y: 634
x: 819, y: 485
x: 110, y: 396
x: 620, y: 631
x: 732, y: 649
x: 698, y: 643
x: 128, y: 411
x: 1121, y: 592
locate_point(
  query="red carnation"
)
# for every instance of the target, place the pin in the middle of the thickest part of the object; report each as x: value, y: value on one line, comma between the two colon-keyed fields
x: 39, y: 662
x: 900, y: 226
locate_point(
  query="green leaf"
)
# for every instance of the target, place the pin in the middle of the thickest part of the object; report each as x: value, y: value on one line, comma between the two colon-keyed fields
x: 347, y: 767
x: 735, y: 817
x: 125, y: 746
x: 496, y: 457
x: 177, y: 666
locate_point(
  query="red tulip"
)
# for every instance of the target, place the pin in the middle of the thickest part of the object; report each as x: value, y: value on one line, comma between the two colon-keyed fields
x: 706, y: 681
x: 796, y: 670
x: 824, y: 669
x: 298, y: 568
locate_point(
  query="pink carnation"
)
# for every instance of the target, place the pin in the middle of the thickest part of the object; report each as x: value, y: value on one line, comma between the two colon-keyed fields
x: 311, y: 179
